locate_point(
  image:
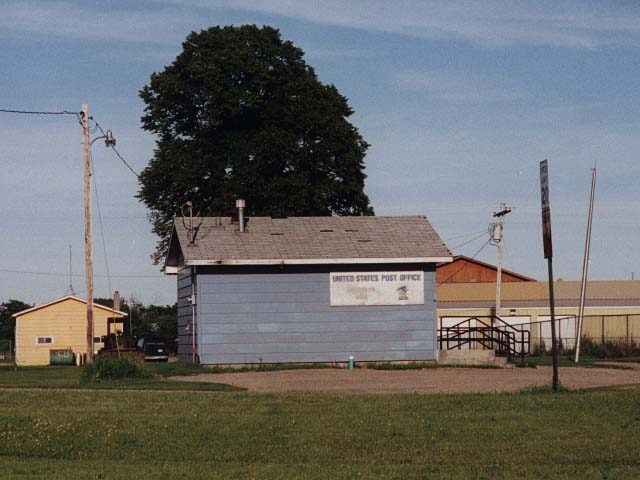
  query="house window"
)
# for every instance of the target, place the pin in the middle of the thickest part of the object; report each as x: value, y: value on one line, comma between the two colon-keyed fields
x: 97, y: 339
x: 44, y: 340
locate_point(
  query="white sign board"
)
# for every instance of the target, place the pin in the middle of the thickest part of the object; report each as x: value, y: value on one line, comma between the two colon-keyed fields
x: 376, y: 288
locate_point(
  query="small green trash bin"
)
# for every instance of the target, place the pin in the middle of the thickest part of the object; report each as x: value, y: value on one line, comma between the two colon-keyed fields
x: 61, y: 357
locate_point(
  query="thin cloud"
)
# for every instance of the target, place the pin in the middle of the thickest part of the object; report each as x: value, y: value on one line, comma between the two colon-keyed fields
x: 497, y: 24
x: 489, y: 24
x: 61, y: 19
x: 456, y: 87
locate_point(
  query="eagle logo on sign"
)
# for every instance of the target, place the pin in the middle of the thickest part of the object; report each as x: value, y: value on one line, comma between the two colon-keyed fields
x: 403, y: 298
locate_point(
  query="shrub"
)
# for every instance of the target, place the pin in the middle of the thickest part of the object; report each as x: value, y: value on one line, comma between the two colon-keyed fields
x: 544, y: 389
x: 610, y: 348
x: 112, y: 369
x: 539, y: 349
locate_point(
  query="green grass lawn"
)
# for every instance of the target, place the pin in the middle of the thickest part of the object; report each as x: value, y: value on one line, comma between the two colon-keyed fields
x: 565, y: 360
x: 69, y: 377
x: 145, y: 434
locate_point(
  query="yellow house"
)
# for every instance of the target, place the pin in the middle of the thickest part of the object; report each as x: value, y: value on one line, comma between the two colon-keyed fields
x: 61, y: 324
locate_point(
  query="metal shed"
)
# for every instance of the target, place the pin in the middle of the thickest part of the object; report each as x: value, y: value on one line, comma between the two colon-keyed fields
x: 305, y: 289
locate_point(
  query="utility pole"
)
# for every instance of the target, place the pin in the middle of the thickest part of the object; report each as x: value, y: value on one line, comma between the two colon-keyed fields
x: 497, y: 239
x: 86, y: 143
x: 585, y: 266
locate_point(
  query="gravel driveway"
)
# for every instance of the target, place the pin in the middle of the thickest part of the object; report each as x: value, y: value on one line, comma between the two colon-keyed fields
x: 430, y: 380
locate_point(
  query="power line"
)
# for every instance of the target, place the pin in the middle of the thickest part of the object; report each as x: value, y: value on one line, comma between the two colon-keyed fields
x: 55, y: 274
x: 464, y: 264
x: 465, y: 235
x: 125, y: 162
x: 29, y: 112
x: 469, y: 241
x: 113, y: 147
x: 104, y: 244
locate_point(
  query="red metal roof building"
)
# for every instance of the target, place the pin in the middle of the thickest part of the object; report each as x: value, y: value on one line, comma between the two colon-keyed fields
x: 469, y: 270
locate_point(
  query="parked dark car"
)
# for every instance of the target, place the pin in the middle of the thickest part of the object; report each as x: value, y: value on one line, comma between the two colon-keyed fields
x: 155, y: 350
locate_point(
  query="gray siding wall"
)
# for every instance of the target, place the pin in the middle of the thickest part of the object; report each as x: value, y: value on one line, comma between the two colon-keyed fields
x: 282, y: 314
x: 184, y: 314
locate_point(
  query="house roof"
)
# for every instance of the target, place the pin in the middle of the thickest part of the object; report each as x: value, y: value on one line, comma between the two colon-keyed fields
x: 307, y: 240
x: 532, y: 294
x: 118, y: 313
x: 464, y: 258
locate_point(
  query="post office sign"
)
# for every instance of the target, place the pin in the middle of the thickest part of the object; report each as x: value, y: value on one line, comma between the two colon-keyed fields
x: 376, y: 288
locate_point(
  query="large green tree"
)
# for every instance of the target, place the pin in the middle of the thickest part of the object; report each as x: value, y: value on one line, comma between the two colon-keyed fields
x: 7, y: 322
x: 240, y: 114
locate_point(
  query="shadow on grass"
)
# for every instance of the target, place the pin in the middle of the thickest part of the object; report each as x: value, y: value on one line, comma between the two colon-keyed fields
x: 63, y: 377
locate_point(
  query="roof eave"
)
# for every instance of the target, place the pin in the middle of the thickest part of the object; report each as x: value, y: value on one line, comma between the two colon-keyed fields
x: 72, y: 297
x: 170, y: 266
x: 318, y: 261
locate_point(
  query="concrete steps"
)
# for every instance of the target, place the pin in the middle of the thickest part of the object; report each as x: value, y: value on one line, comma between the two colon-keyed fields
x: 471, y: 358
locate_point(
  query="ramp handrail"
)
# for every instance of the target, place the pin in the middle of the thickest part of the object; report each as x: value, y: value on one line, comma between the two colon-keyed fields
x: 491, y: 333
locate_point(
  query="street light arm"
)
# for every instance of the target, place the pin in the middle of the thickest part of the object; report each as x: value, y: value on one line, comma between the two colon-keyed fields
x: 109, y: 140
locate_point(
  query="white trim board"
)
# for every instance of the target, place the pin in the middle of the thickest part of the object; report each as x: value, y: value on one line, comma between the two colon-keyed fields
x: 320, y: 261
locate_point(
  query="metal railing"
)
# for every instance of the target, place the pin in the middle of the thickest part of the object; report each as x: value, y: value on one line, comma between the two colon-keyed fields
x: 488, y: 333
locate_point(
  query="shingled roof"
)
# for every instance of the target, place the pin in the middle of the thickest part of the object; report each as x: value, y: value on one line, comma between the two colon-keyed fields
x: 306, y: 240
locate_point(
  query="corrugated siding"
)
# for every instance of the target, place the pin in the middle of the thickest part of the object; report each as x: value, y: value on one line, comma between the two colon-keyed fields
x: 184, y: 315
x: 283, y: 315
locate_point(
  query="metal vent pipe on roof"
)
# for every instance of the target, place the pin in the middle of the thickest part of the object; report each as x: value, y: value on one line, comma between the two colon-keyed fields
x: 240, y: 204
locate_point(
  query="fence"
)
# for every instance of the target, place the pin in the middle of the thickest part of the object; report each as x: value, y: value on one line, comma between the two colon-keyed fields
x: 6, y: 350
x: 597, y: 329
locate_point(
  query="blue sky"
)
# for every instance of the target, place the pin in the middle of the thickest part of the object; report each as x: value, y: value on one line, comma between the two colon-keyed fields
x: 459, y: 100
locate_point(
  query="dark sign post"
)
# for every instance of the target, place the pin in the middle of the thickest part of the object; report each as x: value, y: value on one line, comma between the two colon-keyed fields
x: 548, y: 254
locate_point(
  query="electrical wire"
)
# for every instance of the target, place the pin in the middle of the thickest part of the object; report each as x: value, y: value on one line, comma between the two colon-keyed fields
x: 464, y: 265
x: 465, y: 235
x: 104, y: 244
x: 78, y: 115
x: 28, y: 112
x: 118, y: 153
x: 469, y: 241
x: 56, y: 274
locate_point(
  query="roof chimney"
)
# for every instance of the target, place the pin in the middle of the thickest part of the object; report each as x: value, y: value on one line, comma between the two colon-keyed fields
x: 240, y: 206
x: 116, y: 300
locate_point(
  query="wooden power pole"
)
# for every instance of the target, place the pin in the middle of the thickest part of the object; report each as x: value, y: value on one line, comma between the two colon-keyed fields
x: 86, y: 143
x: 497, y: 238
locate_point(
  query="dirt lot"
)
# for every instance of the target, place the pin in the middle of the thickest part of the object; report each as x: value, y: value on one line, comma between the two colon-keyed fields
x: 430, y: 380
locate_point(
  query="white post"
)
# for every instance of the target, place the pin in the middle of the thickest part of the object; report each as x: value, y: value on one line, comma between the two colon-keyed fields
x: 585, y: 266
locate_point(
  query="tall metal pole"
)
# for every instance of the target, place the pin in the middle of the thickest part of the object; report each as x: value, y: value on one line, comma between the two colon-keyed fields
x: 585, y: 265
x: 554, y: 347
x: 87, y: 228
x: 548, y: 254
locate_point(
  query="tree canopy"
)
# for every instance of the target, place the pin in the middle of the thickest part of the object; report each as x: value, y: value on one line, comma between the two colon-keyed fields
x: 240, y: 114
x: 7, y: 322
x: 158, y: 321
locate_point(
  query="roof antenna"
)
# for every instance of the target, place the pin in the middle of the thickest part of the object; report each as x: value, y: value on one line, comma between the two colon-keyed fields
x: 70, y: 290
x: 192, y: 231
